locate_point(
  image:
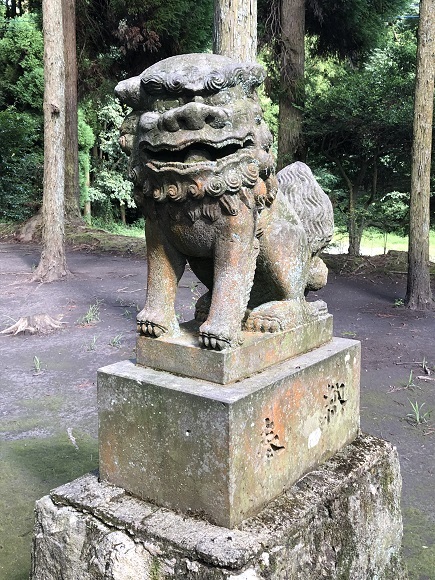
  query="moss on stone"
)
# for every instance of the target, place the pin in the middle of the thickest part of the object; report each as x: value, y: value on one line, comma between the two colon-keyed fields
x: 30, y: 468
x: 419, y: 545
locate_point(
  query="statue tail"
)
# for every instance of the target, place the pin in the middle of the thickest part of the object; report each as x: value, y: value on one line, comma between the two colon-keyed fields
x: 310, y: 202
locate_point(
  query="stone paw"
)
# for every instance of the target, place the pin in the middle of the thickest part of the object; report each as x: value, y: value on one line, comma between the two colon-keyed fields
x: 213, y: 342
x: 263, y: 323
x: 155, y: 323
x: 148, y: 328
x: 276, y: 316
x: 215, y: 336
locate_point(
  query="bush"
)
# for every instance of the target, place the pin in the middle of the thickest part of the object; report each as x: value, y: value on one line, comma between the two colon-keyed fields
x: 21, y: 165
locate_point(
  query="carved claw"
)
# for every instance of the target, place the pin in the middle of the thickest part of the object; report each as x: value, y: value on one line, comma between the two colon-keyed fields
x: 152, y: 329
x: 213, y: 342
x: 263, y: 323
x: 278, y: 316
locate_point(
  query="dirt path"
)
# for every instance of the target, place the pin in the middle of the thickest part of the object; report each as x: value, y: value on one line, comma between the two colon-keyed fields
x: 48, y: 422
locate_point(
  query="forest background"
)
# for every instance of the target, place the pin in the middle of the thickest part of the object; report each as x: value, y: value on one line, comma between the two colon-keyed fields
x: 355, y: 101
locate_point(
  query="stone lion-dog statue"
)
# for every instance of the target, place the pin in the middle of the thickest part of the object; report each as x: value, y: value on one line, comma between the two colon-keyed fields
x: 201, y: 164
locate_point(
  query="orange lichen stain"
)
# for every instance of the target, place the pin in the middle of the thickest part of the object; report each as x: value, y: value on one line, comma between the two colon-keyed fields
x: 108, y: 464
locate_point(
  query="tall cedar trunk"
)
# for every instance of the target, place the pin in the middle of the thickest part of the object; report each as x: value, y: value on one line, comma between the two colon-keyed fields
x: 235, y: 29
x: 72, y: 191
x: 52, y: 264
x: 418, y: 295
x: 291, y: 98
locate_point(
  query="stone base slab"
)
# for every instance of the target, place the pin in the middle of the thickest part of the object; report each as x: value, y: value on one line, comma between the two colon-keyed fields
x: 223, y: 452
x: 182, y: 354
x: 342, y: 521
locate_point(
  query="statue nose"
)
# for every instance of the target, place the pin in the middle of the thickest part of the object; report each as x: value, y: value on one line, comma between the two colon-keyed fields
x: 193, y: 117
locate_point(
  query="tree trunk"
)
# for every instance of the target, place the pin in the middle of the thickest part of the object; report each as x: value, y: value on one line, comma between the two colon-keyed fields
x: 355, y: 230
x: 72, y: 190
x: 52, y: 264
x: 87, y: 209
x: 235, y: 29
x: 291, y: 99
x: 418, y: 295
x: 122, y: 211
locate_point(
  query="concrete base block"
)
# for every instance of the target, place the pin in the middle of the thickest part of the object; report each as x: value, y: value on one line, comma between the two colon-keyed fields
x: 342, y: 521
x: 224, y: 451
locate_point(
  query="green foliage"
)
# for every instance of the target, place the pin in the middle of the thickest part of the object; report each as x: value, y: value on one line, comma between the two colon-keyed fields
x: 86, y: 139
x: 350, y: 28
x: 111, y: 166
x: 117, y: 39
x: 21, y: 52
x: 391, y: 213
x: 358, y: 126
x: 21, y: 91
x: 21, y: 164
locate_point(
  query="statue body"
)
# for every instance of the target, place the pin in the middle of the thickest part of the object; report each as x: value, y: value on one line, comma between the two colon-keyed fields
x: 202, y: 168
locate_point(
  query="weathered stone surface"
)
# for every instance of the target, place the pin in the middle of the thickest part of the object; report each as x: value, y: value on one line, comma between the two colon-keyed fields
x: 201, y: 162
x: 342, y: 521
x: 223, y: 451
x: 182, y: 354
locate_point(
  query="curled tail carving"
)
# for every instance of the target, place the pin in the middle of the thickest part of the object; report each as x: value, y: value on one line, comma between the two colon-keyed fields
x: 310, y: 202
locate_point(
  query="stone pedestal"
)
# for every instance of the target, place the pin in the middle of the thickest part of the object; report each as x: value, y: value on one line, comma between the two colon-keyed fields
x: 342, y: 521
x: 181, y: 354
x: 224, y: 451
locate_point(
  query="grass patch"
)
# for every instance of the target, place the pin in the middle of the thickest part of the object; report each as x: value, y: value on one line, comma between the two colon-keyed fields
x: 135, y: 230
x: 374, y: 243
x: 89, y: 239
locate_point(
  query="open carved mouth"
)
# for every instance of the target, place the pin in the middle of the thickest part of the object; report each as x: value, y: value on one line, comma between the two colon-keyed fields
x: 194, y: 153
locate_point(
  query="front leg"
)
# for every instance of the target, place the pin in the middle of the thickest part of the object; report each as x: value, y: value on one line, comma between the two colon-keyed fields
x: 235, y: 254
x: 165, y: 268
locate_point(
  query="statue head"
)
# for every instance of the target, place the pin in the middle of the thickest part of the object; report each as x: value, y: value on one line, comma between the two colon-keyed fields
x: 197, y: 130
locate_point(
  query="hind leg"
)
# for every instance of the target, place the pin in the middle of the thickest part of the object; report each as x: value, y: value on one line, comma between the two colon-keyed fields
x: 283, y: 268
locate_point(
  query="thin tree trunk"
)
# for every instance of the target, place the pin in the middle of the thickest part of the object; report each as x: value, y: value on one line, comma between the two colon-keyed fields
x: 291, y: 99
x: 87, y: 209
x: 418, y: 295
x: 52, y: 264
x: 72, y: 190
x: 122, y: 211
x: 355, y: 230
x: 235, y: 29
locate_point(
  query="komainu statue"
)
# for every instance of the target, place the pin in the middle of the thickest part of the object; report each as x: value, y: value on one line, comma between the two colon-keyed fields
x: 201, y: 163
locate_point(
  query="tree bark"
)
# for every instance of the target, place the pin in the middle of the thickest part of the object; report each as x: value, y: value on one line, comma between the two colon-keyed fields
x: 52, y: 264
x: 235, y: 29
x: 72, y: 190
x: 291, y: 99
x: 418, y: 295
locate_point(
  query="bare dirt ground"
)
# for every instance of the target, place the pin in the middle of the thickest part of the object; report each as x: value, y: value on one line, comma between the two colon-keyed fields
x: 48, y: 420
